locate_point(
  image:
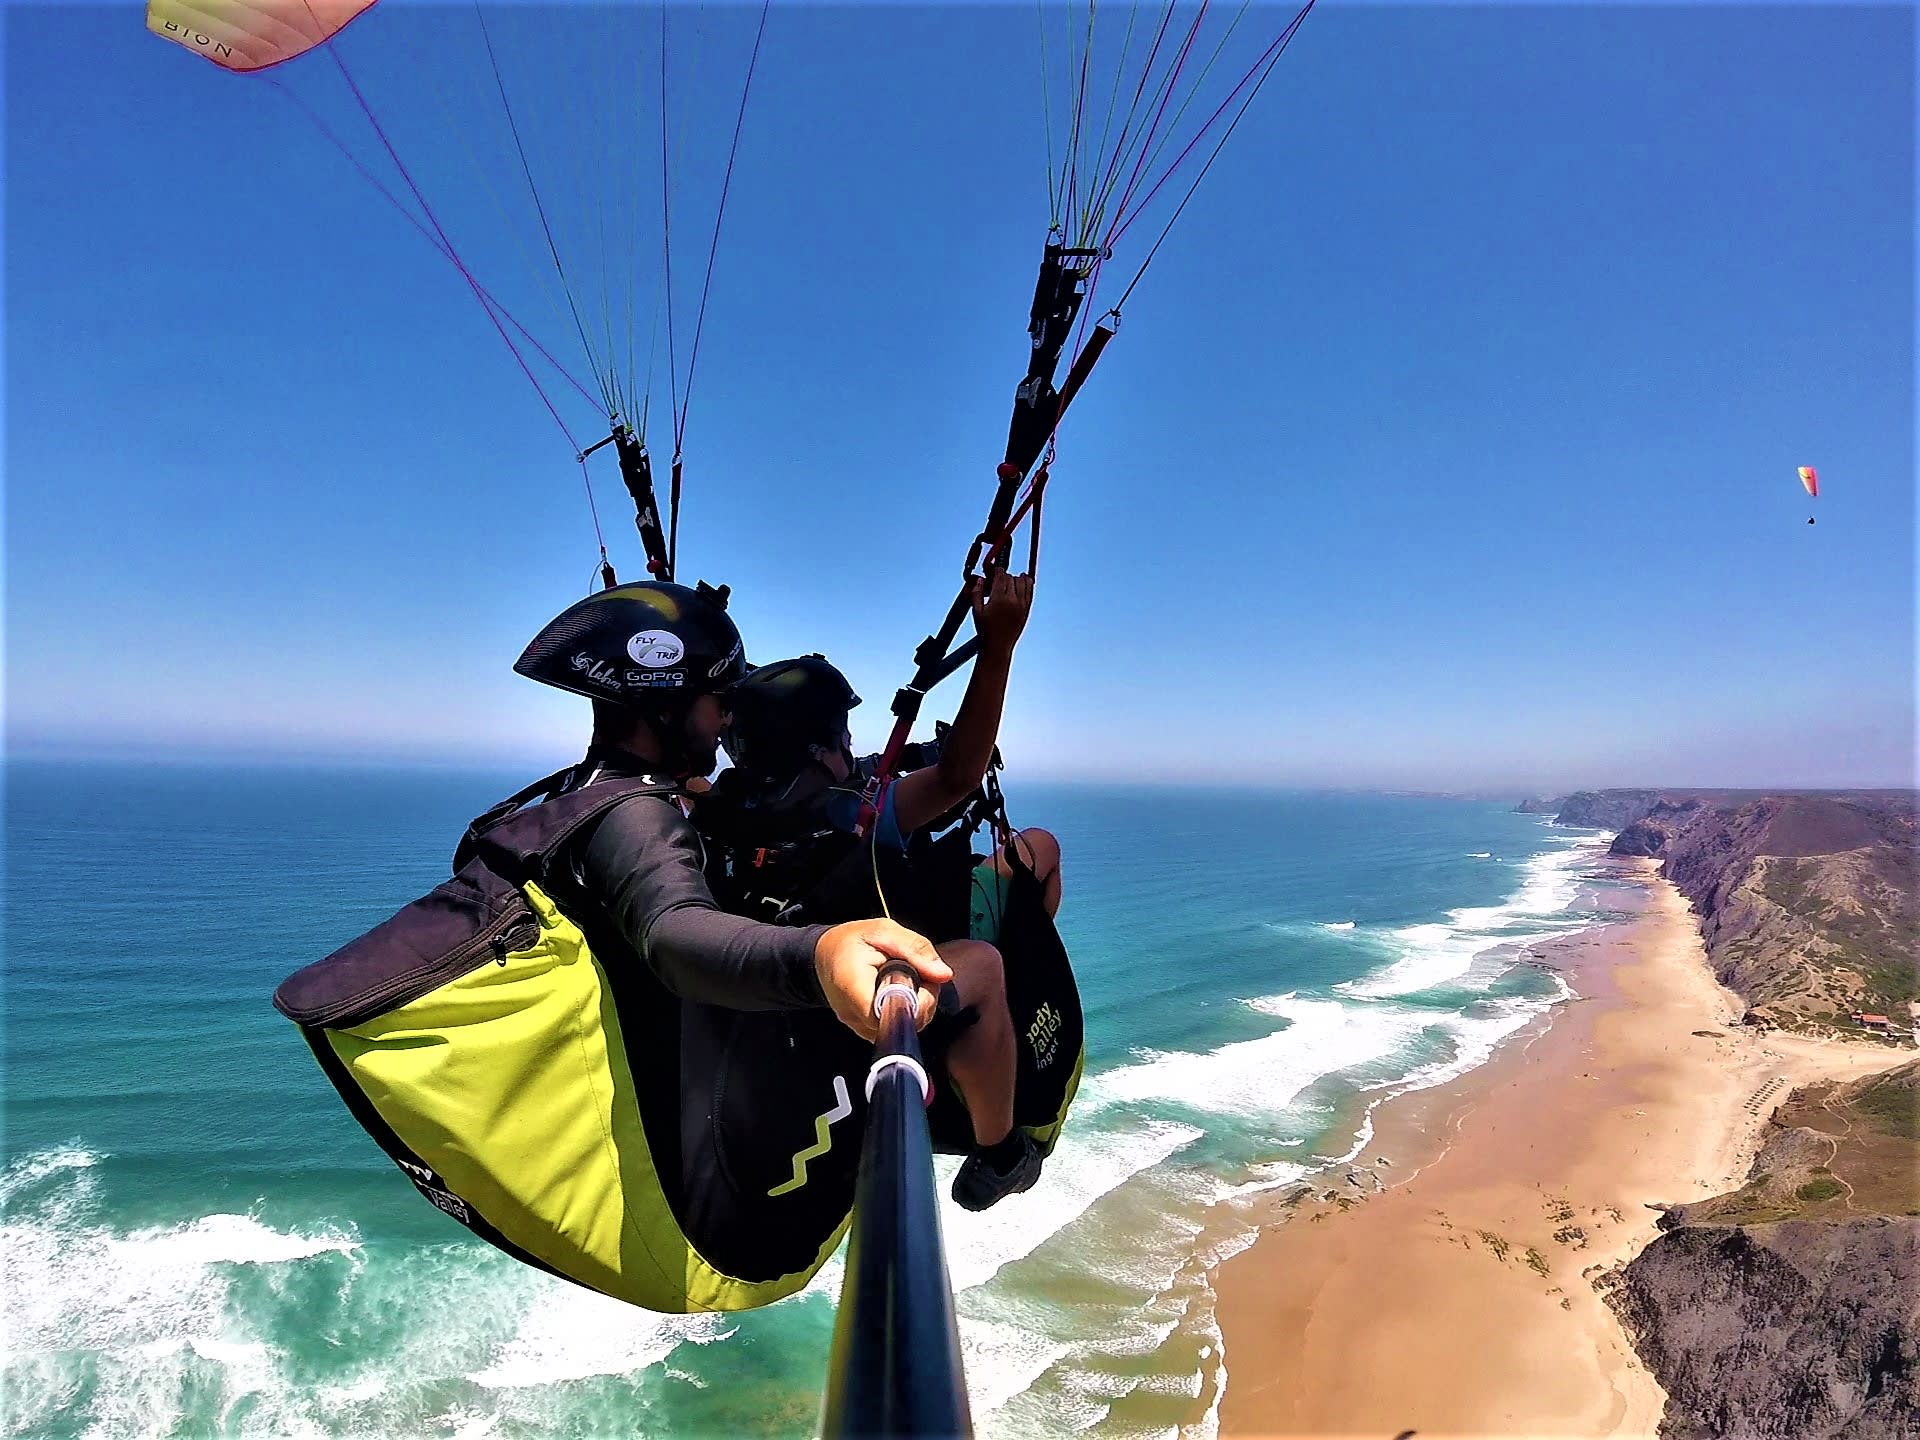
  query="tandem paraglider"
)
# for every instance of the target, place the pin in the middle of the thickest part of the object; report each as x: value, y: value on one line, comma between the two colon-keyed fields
x: 676, y: 1040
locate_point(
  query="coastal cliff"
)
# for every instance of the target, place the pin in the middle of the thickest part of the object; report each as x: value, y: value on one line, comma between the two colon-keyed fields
x: 1807, y: 903
x: 1791, y: 1307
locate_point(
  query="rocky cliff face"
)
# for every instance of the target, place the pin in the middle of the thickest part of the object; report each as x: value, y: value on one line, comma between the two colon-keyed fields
x: 1605, y: 809
x: 1538, y: 807
x: 1808, y: 903
x: 1791, y: 1307
x: 1803, y: 1330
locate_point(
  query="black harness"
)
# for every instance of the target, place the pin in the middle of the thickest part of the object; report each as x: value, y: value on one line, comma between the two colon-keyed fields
x: 779, y: 857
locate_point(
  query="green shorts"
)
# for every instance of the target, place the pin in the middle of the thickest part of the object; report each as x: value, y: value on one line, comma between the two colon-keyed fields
x: 986, y: 903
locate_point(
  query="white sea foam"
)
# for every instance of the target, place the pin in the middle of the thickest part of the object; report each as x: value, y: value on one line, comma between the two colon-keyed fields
x: 1212, y: 1354
x: 171, y: 1327
x: 1207, y: 1427
x: 1083, y: 1168
x: 1430, y: 955
x: 80, y: 1286
x: 1047, y: 1375
x: 1066, y: 1410
x: 29, y: 1170
x: 1261, y: 1077
x: 1362, y: 1138
x: 461, y: 1423
x: 1445, y: 952
x: 1274, y: 1175
x: 570, y: 1333
x: 224, y: 1352
x: 1479, y: 855
x: 1105, y: 1368
x: 152, y: 1308
x: 361, y: 1388
x: 1341, y: 925
x: 1003, y: 1358
x: 222, y: 1240
x: 827, y: 1279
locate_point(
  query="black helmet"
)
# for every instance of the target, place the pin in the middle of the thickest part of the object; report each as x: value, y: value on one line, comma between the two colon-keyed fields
x: 648, y: 645
x: 782, y: 710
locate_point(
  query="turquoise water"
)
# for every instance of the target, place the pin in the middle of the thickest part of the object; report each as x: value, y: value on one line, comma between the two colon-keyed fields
x: 198, y: 1240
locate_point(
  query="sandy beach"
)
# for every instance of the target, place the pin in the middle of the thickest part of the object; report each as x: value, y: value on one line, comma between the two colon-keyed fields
x: 1446, y: 1285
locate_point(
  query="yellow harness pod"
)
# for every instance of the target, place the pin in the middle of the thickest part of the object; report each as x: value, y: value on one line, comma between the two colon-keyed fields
x: 586, y: 1120
x: 476, y: 1037
x: 512, y: 1082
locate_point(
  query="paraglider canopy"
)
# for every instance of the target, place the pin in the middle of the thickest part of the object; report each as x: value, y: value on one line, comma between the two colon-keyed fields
x: 251, y: 34
x: 1810, y: 478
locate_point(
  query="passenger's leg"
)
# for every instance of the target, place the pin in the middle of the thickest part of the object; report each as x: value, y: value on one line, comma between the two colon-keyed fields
x: 981, y: 1064
x: 980, y: 1061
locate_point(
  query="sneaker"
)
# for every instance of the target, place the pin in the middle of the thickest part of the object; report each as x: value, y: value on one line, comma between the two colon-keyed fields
x: 979, y: 1185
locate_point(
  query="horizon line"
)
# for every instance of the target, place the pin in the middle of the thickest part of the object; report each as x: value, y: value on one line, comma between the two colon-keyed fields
x: 81, y: 752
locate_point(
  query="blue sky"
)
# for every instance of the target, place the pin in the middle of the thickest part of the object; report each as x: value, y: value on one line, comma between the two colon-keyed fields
x: 1449, y: 443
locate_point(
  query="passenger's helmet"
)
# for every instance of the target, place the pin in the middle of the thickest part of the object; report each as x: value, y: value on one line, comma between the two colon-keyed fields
x: 782, y: 710
x: 649, y: 645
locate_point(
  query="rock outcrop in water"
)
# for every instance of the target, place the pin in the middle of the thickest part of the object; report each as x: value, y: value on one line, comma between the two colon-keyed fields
x: 1791, y: 1307
x: 1808, y: 903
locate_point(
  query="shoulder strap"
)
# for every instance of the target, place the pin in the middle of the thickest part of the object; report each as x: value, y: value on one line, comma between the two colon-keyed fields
x: 483, y: 823
x: 516, y: 839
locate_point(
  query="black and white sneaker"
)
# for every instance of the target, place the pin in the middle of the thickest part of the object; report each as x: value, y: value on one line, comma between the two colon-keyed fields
x: 979, y: 1185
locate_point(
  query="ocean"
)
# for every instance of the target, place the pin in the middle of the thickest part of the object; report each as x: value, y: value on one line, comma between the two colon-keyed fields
x: 198, y: 1240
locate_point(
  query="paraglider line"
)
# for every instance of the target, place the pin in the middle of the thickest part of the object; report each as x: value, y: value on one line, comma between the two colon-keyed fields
x: 713, y: 248
x: 1133, y: 179
x: 1219, y: 48
x: 1071, y: 180
x: 1046, y: 116
x: 1257, y: 76
x: 539, y: 209
x: 593, y: 509
x: 452, y: 254
x: 666, y: 231
x: 1113, y: 104
x: 433, y: 240
x: 1263, y: 67
x: 1104, y: 190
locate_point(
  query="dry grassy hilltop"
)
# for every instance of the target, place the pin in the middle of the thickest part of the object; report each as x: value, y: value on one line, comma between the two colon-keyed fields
x: 1809, y: 903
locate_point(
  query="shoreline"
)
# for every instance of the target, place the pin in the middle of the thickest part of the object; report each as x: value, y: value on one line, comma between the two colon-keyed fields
x: 1449, y: 1280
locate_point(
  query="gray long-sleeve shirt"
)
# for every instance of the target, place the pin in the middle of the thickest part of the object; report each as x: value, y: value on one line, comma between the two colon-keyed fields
x: 643, y: 866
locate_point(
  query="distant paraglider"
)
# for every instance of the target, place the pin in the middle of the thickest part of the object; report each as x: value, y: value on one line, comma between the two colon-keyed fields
x: 1810, y: 478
